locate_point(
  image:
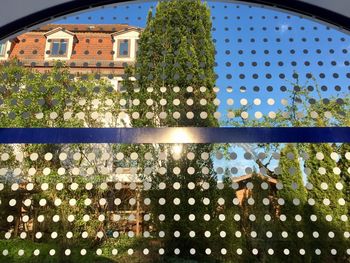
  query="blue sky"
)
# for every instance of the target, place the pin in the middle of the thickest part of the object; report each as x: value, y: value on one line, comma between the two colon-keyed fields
x: 239, y: 28
x: 244, y: 34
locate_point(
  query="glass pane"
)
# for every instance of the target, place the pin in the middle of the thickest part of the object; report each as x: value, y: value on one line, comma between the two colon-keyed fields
x: 63, y: 48
x: 288, y: 71
x: 55, y: 48
x: 124, y: 48
x: 2, y: 49
x: 174, y: 200
x: 149, y: 182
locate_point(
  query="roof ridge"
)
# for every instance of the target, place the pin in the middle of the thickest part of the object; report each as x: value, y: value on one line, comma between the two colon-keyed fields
x: 90, y: 28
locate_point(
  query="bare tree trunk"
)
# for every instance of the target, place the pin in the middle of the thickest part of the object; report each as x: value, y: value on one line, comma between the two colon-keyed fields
x: 18, y: 217
x: 35, y: 215
x: 138, y: 212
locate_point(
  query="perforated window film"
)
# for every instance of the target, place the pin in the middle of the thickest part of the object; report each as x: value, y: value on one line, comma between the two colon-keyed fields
x: 176, y: 131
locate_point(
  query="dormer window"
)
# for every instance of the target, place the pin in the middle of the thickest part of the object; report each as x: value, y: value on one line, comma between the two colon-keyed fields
x: 59, y: 44
x: 124, y: 48
x: 125, y: 44
x: 59, y: 48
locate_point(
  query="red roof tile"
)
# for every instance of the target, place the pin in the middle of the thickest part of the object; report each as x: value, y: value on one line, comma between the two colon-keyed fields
x: 97, y: 28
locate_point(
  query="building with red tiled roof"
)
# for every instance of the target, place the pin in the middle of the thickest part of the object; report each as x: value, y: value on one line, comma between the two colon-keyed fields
x: 243, y: 192
x: 86, y: 48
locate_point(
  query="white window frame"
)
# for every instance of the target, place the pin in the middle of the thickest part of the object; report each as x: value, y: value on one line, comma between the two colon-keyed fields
x: 61, y: 40
x: 129, y: 48
x: 131, y: 35
x: 6, y: 53
x: 58, y: 34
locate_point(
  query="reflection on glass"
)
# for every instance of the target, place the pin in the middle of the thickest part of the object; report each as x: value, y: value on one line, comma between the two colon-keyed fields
x: 202, y: 65
x: 124, y: 48
x: 59, y: 47
x: 2, y: 49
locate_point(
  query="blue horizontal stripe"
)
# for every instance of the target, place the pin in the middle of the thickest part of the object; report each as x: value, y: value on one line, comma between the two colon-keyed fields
x: 174, y: 135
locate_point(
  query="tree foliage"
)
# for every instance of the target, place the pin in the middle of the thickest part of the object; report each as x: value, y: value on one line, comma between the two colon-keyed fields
x: 54, y: 99
x: 293, y: 192
x: 176, y: 51
x: 175, y: 77
x: 344, y: 166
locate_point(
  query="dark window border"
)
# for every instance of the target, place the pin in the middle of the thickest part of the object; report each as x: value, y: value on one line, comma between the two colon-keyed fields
x: 165, y: 135
x: 74, y: 6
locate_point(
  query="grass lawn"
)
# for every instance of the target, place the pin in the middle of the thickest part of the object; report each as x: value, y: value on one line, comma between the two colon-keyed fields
x: 122, y: 249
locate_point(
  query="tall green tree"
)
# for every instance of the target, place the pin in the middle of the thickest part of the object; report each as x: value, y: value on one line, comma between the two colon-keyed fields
x: 259, y: 221
x: 327, y: 203
x: 176, y: 51
x: 344, y: 166
x: 307, y: 108
x: 175, y: 77
x: 293, y: 197
x: 293, y: 193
